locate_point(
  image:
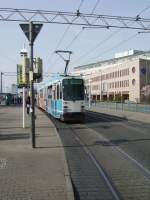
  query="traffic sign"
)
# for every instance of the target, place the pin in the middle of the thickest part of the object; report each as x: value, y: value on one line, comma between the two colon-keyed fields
x: 35, y: 30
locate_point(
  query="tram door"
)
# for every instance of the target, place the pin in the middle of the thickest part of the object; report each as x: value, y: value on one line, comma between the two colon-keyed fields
x: 49, y: 91
x: 54, y: 100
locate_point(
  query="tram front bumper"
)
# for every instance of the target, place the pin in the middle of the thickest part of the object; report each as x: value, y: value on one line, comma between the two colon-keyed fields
x: 74, y: 116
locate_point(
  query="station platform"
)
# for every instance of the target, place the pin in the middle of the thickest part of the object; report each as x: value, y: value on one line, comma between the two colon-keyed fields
x: 26, y: 173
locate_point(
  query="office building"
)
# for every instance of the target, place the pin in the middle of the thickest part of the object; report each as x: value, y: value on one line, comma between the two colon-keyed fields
x: 124, y: 76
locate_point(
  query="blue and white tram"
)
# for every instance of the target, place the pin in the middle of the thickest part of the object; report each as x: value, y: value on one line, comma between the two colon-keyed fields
x: 63, y: 98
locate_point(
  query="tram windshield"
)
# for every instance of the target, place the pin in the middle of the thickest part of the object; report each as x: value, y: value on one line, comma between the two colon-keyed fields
x: 73, y: 89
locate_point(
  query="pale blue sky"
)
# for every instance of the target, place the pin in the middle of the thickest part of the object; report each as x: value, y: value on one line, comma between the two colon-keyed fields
x: 12, y: 38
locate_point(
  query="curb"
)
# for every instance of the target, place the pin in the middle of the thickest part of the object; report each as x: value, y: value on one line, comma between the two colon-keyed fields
x: 70, y: 191
x: 67, y: 176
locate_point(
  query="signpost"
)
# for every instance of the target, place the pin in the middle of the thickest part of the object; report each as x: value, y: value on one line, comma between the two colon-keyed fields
x: 31, y: 31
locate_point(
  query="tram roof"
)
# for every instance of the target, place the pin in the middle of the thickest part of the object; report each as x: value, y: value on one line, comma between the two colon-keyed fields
x: 57, y: 78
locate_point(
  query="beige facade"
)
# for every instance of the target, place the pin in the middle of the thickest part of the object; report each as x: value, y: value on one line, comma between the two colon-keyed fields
x: 122, y: 77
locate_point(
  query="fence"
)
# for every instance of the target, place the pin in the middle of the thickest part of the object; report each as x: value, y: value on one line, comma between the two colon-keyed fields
x: 132, y: 107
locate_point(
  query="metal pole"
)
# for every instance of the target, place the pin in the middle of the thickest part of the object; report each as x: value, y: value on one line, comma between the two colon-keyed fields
x: 1, y: 82
x: 66, y: 68
x: 101, y: 85
x: 146, y: 83
x: 23, y: 107
x: 32, y: 109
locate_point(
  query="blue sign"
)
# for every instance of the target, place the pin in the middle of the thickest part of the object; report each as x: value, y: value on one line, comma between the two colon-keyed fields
x: 143, y: 70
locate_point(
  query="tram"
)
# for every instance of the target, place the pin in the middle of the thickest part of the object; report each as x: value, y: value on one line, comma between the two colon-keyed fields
x: 63, y: 98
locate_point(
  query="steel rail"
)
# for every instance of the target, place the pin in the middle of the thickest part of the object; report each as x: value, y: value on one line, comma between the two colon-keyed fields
x: 124, y: 154
x: 111, y: 187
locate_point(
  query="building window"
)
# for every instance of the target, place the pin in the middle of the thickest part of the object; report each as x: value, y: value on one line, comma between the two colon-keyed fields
x: 113, y: 85
x: 125, y: 72
x: 120, y: 73
x: 110, y: 75
x: 133, y: 69
x: 109, y: 85
x: 118, y: 84
x: 125, y: 83
x: 133, y: 81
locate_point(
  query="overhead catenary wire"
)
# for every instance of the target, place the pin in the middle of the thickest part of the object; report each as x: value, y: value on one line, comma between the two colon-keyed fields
x: 94, y: 8
x: 8, y: 57
x: 115, y: 46
x: 146, y: 8
x: 64, y: 34
x: 59, y: 42
x: 92, y: 50
x: 81, y: 3
x: 68, y: 27
x: 64, y: 15
x: 76, y: 36
x: 79, y: 33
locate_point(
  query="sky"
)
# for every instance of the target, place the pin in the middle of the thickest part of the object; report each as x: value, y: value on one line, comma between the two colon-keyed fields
x: 88, y: 46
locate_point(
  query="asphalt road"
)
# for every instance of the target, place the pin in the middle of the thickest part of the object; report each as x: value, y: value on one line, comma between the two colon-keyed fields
x: 131, y: 136
x: 108, y: 157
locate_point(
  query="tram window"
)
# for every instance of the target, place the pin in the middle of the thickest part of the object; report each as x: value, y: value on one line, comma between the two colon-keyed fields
x: 73, y: 89
x: 45, y: 93
x: 72, y: 81
x: 57, y: 91
x: 41, y: 93
x: 60, y: 91
x: 49, y: 92
x: 54, y: 95
x: 54, y: 92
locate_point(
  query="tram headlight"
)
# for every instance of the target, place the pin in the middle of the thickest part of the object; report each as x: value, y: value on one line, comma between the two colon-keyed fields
x: 82, y: 108
x: 65, y: 109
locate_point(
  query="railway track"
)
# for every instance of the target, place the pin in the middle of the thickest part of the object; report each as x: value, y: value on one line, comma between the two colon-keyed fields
x: 99, y: 169
x: 124, y: 154
x: 82, y: 188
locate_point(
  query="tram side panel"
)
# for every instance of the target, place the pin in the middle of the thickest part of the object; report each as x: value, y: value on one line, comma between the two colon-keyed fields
x: 41, y: 99
x: 54, y: 102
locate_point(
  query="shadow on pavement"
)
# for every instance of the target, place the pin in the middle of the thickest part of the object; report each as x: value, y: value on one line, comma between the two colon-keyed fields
x: 119, y: 142
x: 93, y: 117
x: 14, y: 136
